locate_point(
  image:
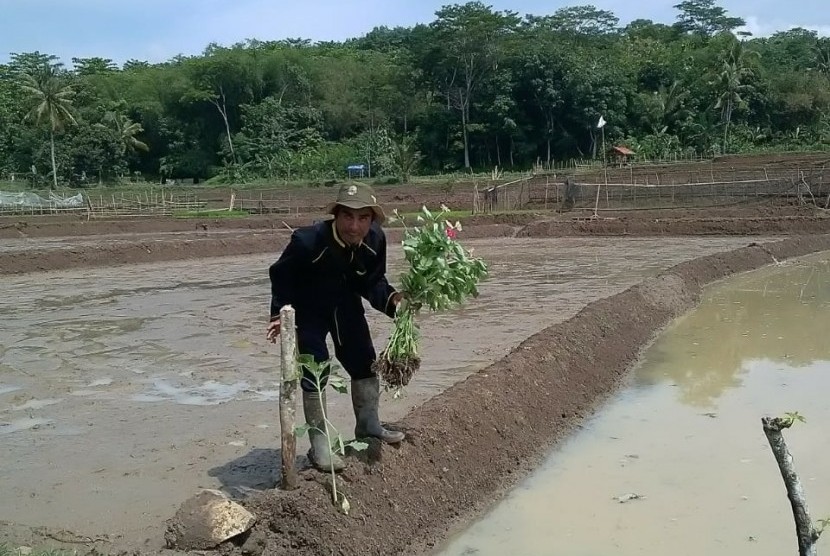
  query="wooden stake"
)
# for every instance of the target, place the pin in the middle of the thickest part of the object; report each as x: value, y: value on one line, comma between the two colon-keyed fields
x: 547, y: 184
x: 288, y: 397
x: 805, y: 530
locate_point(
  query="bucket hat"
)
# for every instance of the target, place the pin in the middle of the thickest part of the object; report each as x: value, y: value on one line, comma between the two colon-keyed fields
x: 357, y: 196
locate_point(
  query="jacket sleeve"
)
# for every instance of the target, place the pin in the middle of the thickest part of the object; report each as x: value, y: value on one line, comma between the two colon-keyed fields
x: 378, y: 290
x: 285, y: 273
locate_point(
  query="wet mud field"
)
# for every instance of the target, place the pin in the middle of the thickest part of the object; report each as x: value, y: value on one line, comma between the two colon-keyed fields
x: 125, y: 389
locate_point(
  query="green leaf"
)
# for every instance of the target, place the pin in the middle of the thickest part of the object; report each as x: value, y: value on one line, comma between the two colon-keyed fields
x: 357, y: 445
x: 795, y: 416
x: 338, y: 445
x: 306, y: 359
x: 300, y: 430
x: 338, y: 383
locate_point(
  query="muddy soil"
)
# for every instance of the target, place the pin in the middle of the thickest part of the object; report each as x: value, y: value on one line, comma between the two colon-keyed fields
x: 30, y: 228
x: 123, y: 390
x: 42, y: 244
x: 470, y: 443
x: 139, y: 356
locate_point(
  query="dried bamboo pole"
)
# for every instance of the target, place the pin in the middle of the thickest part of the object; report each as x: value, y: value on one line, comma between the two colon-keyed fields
x: 804, y: 528
x: 288, y: 397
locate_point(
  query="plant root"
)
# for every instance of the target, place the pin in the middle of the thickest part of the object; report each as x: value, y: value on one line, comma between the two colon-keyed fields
x: 397, y: 372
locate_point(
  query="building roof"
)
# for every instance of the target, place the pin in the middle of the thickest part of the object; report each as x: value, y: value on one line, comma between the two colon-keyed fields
x: 619, y: 149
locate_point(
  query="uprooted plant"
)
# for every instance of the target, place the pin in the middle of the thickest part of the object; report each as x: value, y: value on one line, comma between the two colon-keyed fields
x: 325, y: 373
x: 441, y: 275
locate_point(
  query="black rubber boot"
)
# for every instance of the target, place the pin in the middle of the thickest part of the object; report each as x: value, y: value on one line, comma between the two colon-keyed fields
x: 365, y: 399
x: 321, y: 457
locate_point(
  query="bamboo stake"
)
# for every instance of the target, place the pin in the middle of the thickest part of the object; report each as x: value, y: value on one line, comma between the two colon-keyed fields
x: 804, y: 528
x: 547, y: 184
x: 288, y: 396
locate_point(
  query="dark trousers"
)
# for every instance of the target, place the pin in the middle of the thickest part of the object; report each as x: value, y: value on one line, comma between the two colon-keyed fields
x: 350, y: 334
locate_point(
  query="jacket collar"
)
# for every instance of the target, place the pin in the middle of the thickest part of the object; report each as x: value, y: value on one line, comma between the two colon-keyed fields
x: 334, y: 233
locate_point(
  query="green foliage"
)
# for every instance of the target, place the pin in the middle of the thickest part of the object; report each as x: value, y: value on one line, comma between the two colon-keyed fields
x: 792, y: 417
x: 472, y: 89
x: 441, y: 275
x: 324, y: 373
x: 704, y: 18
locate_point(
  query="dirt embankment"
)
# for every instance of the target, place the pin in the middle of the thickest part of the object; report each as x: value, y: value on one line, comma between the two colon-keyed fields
x: 677, y: 226
x: 139, y: 241
x: 103, y: 253
x: 458, y: 458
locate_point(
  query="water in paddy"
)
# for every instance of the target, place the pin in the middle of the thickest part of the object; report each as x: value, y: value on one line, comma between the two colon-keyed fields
x: 677, y: 463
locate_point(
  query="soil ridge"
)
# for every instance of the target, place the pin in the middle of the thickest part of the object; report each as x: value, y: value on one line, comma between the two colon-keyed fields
x: 468, y: 445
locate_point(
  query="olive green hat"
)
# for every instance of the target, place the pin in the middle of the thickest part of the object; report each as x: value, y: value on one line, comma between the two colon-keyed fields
x: 357, y: 195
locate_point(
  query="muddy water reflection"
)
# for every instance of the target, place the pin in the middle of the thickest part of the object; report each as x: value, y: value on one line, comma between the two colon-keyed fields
x: 686, y: 437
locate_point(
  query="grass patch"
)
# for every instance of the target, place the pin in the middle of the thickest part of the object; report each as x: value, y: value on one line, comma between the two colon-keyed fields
x: 218, y: 213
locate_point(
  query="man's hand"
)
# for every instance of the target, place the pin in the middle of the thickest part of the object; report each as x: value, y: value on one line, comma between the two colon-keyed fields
x: 273, y: 331
x: 399, y: 298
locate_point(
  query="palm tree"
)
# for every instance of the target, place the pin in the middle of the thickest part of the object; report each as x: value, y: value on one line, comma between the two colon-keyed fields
x: 671, y: 103
x: 52, y: 104
x: 731, y: 80
x: 125, y: 130
x: 822, y: 52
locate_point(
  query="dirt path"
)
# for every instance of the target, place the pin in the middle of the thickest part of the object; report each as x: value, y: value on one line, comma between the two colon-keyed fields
x: 126, y: 389
x: 472, y: 442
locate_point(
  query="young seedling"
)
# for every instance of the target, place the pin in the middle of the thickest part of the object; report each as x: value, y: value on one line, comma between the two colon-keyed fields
x: 325, y: 373
x: 440, y: 276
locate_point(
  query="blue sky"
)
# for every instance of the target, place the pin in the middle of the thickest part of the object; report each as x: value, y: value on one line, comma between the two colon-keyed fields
x: 156, y: 30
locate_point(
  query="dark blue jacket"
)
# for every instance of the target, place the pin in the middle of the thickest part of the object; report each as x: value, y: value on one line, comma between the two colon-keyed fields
x: 317, y: 272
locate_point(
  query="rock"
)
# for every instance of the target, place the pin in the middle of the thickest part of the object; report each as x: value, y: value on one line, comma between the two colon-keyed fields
x: 207, y: 520
x: 622, y: 499
x: 24, y: 550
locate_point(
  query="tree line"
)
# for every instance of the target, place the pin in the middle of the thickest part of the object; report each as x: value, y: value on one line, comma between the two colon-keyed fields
x: 472, y: 89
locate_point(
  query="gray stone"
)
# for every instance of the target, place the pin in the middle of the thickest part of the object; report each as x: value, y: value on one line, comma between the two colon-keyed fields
x: 206, y: 521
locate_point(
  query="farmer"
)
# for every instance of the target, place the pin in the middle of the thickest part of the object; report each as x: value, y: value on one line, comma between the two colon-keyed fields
x: 324, y: 271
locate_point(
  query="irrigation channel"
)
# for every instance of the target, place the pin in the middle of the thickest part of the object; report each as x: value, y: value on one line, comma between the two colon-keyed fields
x: 677, y: 462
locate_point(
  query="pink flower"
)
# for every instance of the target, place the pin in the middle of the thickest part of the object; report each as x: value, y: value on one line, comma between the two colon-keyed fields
x: 451, y: 233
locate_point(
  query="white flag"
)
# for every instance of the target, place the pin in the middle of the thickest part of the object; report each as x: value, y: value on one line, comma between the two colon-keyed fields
x: 601, y: 123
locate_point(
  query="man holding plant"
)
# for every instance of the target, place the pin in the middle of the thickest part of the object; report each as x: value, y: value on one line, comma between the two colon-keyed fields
x: 325, y: 272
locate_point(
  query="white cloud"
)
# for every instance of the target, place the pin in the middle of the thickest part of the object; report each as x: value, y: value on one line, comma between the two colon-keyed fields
x: 767, y: 27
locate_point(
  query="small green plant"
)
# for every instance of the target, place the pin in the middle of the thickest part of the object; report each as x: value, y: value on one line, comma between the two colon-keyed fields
x: 790, y: 418
x: 323, y: 372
